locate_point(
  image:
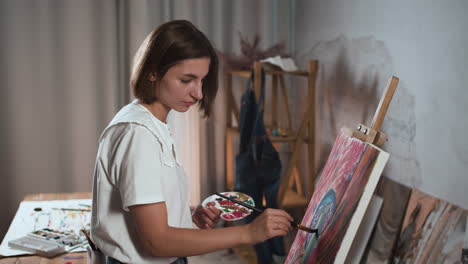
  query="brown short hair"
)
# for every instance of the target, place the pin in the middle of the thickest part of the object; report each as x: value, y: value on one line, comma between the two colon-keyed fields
x: 164, y: 47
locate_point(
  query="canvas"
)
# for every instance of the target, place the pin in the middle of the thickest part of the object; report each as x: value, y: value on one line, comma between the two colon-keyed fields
x: 352, y: 169
x: 433, y: 231
x: 389, y: 223
x: 361, y: 240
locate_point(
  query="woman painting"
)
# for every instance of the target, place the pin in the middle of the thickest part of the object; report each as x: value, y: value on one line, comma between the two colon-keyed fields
x: 140, y: 204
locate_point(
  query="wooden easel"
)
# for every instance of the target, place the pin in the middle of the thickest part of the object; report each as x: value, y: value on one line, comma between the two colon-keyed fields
x: 291, y: 193
x: 373, y: 134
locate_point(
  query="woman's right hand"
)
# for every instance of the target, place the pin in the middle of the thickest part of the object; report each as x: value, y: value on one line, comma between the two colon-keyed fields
x: 271, y: 223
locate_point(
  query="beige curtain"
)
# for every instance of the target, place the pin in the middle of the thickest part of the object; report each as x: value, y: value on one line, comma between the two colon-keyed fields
x: 64, y: 74
x: 59, y: 87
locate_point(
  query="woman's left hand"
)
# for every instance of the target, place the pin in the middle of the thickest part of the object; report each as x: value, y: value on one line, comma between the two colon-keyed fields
x: 206, y: 217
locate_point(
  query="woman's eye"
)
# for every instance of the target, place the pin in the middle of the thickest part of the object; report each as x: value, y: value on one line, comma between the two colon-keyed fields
x: 185, y: 81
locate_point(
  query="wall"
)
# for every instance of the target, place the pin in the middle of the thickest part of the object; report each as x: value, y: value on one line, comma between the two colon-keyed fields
x: 360, y: 44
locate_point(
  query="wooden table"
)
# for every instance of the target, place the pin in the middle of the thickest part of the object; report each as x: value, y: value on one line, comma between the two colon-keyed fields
x: 69, y: 258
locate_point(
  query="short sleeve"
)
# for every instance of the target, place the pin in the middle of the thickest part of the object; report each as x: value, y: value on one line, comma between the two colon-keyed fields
x: 138, y: 173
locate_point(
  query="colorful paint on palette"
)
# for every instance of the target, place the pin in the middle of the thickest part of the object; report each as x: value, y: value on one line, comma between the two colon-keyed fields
x: 230, y: 210
x: 336, y: 196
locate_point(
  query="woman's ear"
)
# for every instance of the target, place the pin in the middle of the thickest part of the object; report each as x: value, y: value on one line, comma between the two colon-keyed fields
x: 152, y: 77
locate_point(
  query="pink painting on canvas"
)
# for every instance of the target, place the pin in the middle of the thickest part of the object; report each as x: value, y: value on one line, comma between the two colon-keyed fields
x: 336, y: 196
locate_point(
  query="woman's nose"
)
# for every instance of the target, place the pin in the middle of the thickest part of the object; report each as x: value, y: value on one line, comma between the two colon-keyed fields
x: 197, y: 92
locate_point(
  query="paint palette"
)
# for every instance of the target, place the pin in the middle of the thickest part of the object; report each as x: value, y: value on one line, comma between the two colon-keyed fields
x: 230, y: 210
x: 66, y: 238
x: 41, y: 247
x: 48, y: 242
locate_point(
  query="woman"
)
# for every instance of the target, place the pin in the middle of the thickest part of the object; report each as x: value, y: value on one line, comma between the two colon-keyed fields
x: 140, y: 202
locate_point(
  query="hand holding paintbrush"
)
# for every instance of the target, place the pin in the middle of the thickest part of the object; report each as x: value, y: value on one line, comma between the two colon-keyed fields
x: 293, y: 223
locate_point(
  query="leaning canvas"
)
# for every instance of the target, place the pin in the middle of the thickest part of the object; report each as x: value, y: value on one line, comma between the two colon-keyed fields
x: 432, y: 231
x: 339, y: 202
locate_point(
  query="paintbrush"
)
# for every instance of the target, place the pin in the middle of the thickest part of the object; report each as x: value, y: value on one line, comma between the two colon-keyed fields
x: 91, y: 244
x: 293, y: 223
x: 73, y: 209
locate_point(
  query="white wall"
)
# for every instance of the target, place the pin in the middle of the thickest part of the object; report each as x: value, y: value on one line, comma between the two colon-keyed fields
x: 360, y: 44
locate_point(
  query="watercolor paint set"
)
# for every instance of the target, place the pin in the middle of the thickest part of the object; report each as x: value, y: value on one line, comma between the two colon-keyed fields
x: 47, y: 242
x: 66, y: 238
x: 39, y: 246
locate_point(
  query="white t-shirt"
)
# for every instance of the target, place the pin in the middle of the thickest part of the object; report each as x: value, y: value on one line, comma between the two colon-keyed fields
x: 136, y: 163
